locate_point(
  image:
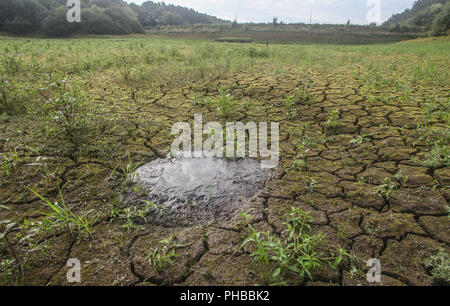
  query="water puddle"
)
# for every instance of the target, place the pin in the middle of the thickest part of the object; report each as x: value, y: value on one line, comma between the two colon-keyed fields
x: 195, y: 190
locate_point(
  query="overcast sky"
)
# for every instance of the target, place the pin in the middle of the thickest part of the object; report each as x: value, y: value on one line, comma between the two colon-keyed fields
x: 323, y: 11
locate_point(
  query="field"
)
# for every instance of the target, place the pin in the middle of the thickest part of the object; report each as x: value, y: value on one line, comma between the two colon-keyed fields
x: 364, y: 160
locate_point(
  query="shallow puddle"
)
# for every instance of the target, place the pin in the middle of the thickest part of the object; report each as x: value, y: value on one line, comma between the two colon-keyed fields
x: 196, y: 190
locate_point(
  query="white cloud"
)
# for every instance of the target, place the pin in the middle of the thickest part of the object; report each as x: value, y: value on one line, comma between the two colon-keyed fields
x: 323, y: 11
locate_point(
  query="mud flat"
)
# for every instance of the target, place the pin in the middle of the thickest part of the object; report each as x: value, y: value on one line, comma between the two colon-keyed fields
x: 195, y: 190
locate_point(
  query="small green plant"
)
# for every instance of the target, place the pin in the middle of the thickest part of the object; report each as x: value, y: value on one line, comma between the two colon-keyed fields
x: 60, y: 217
x: 125, y: 67
x: 301, y: 93
x: 333, y: 119
x: 434, y: 131
x: 131, y: 214
x: 164, y: 255
x: 9, y: 268
x: 290, y: 103
x: 439, y: 156
x: 362, y: 181
x: 297, y: 254
x: 255, y: 53
x: 297, y: 165
x: 201, y: 103
x: 385, y: 190
x: 401, y: 176
x: 11, y: 64
x: 13, y: 96
x: 245, y: 219
x: 8, y: 160
x: 128, y: 171
x: 361, y: 139
x: 311, y: 186
x: 226, y: 104
x: 439, y: 265
x: 67, y: 115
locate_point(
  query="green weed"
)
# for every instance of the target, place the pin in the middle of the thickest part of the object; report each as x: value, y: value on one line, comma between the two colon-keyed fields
x: 163, y: 255
x: 297, y: 254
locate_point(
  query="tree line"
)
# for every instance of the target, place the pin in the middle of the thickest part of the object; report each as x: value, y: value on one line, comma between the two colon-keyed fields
x: 97, y: 17
x: 432, y: 16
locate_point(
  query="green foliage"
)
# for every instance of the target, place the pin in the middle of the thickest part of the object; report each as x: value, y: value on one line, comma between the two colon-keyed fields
x: 8, y: 161
x: 333, y: 119
x: 60, y: 217
x: 385, y: 190
x: 13, y: 95
x: 226, y: 104
x: 55, y: 24
x: 67, y: 115
x: 9, y: 268
x: 132, y: 214
x: 291, y: 104
x: 296, y: 254
x: 153, y: 14
x: 434, y: 131
x: 255, y: 53
x: 128, y: 172
x: 98, y: 17
x: 439, y: 265
x: 425, y: 16
x: 163, y: 255
x: 441, y: 23
x: 21, y: 16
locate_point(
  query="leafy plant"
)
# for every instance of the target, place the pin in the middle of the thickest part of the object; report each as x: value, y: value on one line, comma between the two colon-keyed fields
x: 164, y: 255
x: 128, y: 171
x: 301, y: 93
x: 226, y: 104
x: 333, y: 119
x: 296, y: 254
x: 291, y: 103
x: 386, y: 189
x: 8, y: 160
x: 13, y: 95
x: 67, y: 114
x: 401, y: 176
x: 361, y: 139
x: 131, y: 214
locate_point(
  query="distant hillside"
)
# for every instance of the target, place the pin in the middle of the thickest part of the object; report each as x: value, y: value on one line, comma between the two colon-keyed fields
x: 97, y: 17
x: 152, y: 14
x: 432, y: 16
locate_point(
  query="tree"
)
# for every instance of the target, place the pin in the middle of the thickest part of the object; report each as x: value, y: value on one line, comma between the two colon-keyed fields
x: 23, y: 16
x: 55, y: 24
x: 98, y: 17
x: 171, y: 18
x: 441, y: 23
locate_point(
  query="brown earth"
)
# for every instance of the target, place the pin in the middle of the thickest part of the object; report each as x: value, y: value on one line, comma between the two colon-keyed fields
x: 337, y: 184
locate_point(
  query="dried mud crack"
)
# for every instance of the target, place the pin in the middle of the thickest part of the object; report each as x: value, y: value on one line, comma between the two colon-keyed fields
x: 351, y: 155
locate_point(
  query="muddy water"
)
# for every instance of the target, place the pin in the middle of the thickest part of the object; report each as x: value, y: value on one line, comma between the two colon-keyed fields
x: 196, y: 190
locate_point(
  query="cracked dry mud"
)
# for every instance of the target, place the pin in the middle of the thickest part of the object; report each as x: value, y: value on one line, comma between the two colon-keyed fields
x: 400, y: 231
